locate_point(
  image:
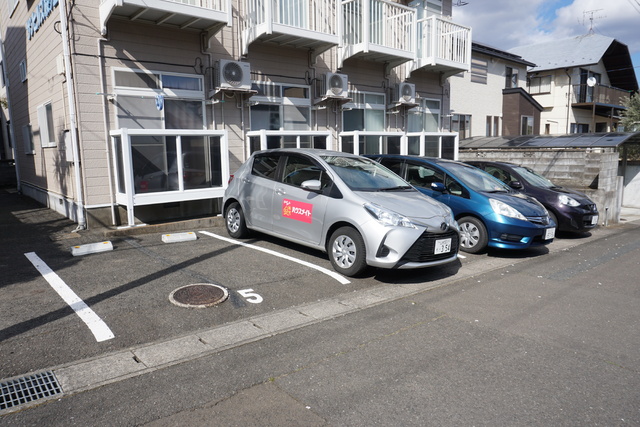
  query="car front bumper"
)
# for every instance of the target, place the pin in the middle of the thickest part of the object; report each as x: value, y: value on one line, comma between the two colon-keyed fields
x: 407, y: 248
x: 508, y: 233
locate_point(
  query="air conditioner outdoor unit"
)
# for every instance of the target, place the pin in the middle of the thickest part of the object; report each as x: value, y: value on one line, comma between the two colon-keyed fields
x: 336, y: 85
x: 406, y: 93
x: 233, y: 75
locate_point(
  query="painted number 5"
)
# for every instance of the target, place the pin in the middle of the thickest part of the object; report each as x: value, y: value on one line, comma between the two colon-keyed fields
x: 251, y: 296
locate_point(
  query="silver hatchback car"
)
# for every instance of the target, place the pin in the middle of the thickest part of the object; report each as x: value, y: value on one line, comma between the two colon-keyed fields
x: 351, y: 207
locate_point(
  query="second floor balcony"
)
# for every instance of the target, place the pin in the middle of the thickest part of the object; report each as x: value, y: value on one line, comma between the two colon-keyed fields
x: 443, y: 46
x: 377, y: 30
x: 599, y: 94
x: 599, y: 98
x: 309, y: 24
x: 204, y: 15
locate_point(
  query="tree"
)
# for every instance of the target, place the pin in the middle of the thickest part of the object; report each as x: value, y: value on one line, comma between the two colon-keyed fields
x: 631, y: 116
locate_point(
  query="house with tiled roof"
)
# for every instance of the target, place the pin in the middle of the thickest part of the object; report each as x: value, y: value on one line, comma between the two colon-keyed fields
x: 581, y: 82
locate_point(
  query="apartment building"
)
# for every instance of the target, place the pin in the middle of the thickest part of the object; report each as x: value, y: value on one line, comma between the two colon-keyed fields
x: 580, y: 82
x: 131, y: 111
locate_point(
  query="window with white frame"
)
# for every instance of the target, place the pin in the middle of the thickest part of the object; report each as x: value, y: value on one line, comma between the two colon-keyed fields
x: 366, y: 112
x: 23, y: 70
x: 425, y: 117
x: 526, y: 125
x: 539, y: 84
x: 27, y: 140
x: 461, y: 123
x: 45, y: 122
x: 158, y: 100
x: 282, y: 107
x: 479, y: 70
x: 511, y: 78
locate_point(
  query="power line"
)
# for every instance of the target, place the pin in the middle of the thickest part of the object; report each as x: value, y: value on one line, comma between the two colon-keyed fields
x: 635, y: 4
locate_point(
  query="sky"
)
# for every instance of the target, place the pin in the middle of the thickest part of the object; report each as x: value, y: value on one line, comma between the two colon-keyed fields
x: 505, y: 24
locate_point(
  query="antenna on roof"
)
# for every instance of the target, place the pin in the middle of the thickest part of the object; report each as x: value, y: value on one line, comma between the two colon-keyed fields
x: 591, y: 18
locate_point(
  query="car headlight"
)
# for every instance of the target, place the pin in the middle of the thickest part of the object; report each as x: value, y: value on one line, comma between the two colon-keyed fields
x: 387, y: 217
x: 502, y: 208
x: 568, y: 201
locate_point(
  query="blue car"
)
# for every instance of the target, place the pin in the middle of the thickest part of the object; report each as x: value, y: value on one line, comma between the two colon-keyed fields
x: 490, y: 213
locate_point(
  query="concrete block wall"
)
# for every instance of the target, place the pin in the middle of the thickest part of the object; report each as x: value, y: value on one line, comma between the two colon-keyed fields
x: 594, y: 173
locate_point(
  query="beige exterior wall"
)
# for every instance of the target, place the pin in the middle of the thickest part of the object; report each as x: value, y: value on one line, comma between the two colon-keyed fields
x: 135, y: 45
x: 557, y: 114
x: 46, y: 167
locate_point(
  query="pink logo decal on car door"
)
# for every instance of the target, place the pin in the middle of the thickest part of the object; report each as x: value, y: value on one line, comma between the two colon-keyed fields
x: 299, y: 211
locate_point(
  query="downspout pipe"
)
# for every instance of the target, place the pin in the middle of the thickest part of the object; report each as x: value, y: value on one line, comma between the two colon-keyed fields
x: 105, y: 122
x: 64, y: 30
x: 568, y: 100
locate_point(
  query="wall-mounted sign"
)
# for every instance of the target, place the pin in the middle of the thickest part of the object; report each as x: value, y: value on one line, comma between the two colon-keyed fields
x: 37, y: 18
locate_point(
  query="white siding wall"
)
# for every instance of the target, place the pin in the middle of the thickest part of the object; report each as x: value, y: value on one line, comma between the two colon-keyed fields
x: 482, y: 100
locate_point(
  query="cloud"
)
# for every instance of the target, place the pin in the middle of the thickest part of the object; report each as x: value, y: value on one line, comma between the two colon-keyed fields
x: 507, y: 24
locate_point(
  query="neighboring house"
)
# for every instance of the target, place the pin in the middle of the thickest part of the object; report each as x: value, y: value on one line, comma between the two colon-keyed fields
x: 122, y: 104
x: 581, y: 82
x: 490, y: 99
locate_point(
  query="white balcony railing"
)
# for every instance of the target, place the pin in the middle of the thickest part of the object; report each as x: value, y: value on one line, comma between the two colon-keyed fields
x: 220, y: 5
x: 443, y: 44
x: 436, y: 144
x: 206, y: 15
x: 266, y: 139
x: 290, y: 20
x: 378, y: 29
x: 154, y: 166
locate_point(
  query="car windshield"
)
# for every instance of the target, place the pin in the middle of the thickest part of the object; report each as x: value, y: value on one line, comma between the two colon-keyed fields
x: 476, y: 179
x: 533, y: 178
x: 361, y: 174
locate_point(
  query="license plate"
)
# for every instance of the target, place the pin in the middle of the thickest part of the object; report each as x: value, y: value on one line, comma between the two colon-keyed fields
x: 549, y: 233
x: 594, y: 220
x: 442, y: 246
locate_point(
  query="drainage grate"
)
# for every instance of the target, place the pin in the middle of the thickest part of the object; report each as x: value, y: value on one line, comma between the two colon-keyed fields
x: 27, y: 389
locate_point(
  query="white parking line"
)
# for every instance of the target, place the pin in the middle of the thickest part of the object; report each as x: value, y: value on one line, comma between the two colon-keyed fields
x: 331, y: 273
x: 99, y: 329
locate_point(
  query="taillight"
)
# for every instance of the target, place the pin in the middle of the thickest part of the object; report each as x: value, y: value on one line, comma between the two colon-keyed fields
x: 230, y: 179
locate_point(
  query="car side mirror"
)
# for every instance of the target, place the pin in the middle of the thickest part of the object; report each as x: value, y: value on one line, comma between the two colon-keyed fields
x: 312, y: 185
x: 516, y: 185
x: 438, y: 186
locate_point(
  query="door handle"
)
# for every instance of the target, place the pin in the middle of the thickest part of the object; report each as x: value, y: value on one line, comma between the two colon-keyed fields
x: 280, y: 191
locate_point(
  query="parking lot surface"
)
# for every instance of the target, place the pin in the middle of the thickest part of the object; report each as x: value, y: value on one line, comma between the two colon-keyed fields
x: 274, y: 287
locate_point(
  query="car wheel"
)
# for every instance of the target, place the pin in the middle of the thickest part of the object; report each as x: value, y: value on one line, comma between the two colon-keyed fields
x: 347, y: 251
x: 234, y: 220
x: 473, y: 235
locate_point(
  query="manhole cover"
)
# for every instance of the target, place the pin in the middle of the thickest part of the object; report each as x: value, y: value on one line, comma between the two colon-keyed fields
x: 199, y: 295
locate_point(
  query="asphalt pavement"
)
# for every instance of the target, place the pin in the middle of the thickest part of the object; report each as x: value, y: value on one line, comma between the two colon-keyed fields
x: 546, y: 339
